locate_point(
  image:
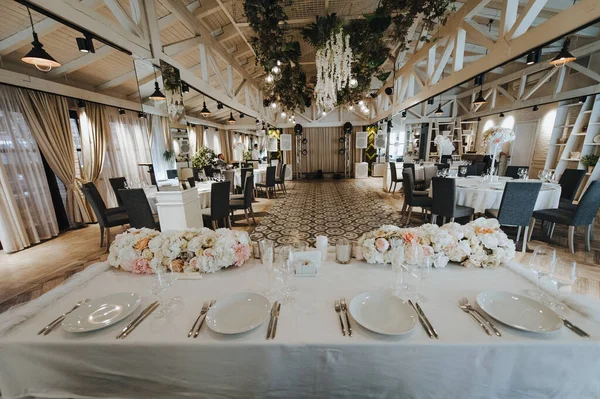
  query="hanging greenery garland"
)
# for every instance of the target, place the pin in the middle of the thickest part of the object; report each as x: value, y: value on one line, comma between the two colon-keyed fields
x: 268, y: 21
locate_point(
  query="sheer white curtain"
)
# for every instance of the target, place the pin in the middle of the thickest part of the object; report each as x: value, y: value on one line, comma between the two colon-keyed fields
x: 26, y: 212
x: 238, y: 153
x: 212, y: 140
x: 159, y: 147
x: 128, y: 146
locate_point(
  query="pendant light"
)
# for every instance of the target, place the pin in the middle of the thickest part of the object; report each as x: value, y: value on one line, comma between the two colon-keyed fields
x: 439, y: 111
x: 205, y: 111
x: 480, y: 100
x: 564, y: 56
x: 231, y: 120
x: 37, y: 55
x: 157, y: 95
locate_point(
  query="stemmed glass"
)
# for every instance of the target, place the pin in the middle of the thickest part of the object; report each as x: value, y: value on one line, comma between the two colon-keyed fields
x: 564, y: 273
x: 541, y: 263
x: 521, y: 173
x: 266, y: 254
x: 164, y: 279
x: 285, y: 269
x: 463, y: 171
x: 397, y: 257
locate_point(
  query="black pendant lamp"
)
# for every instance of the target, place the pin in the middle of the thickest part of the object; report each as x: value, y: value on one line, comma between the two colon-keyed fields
x: 205, y: 111
x: 439, y: 111
x: 564, y: 56
x: 157, y: 95
x: 37, y: 55
x: 231, y: 120
x: 480, y: 100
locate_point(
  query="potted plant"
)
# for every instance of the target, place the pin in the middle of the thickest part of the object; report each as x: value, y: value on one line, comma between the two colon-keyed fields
x: 590, y: 161
x: 204, y: 157
x: 168, y: 155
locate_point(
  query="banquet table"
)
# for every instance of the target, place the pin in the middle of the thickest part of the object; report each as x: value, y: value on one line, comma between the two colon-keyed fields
x: 471, y: 191
x: 203, y: 195
x: 260, y: 176
x: 309, y: 358
x: 419, y: 174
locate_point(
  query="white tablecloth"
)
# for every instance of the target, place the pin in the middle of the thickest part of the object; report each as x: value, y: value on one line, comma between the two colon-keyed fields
x: 309, y: 357
x: 203, y: 194
x: 387, y: 176
x: 481, y: 196
x: 260, y: 176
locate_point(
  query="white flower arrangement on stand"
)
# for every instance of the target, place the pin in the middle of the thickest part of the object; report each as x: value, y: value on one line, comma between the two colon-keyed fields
x: 144, y: 251
x: 334, y: 69
x: 495, y: 137
x: 480, y: 243
x: 444, y: 144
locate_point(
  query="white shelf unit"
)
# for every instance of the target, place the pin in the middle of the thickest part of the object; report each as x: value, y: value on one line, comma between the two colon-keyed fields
x: 579, y: 124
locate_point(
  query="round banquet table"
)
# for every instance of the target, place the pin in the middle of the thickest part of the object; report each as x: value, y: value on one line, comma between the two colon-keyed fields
x: 260, y: 176
x: 472, y: 192
x: 203, y: 194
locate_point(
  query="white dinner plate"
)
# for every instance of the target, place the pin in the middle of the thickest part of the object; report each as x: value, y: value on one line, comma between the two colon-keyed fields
x: 102, y: 312
x: 519, y: 312
x: 383, y: 313
x: 238, y: 313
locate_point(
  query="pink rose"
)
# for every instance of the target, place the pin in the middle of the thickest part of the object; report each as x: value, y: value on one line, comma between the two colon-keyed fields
x: 241, y: 254
x: 428, y: 251
x: 141, y: 266
x: 381, y: 244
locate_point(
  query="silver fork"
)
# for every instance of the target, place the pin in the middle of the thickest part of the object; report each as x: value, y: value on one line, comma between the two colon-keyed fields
x: 204, y: 310
x: 203, y: 318
x: 345, y: 310
x: 46, y: 330
x: 338, y: 310
x: 481, y: 316
x: 466, y: 310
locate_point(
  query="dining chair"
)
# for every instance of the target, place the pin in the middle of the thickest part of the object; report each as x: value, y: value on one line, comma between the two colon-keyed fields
x: 511, y: 171
x: 473, y: 170
x: 117, y: 183
x: 583, y: 214
x: 138, y: 209
x: 269, y: 184
x: 219, y: 206
x: 446, y: 159
x: 171, y: 174
x: 429, y: 173
x: 281, y: 180
x: 411, y: 200
x: 244, y: 203
x: 479, y: 167
x: 516, y: 207
x: 208, y: 171
x: 411, y: 166
x: 191, y: 181
x: 441, y: 166
x: 243, y: 173
x: 229, y: 177
x: 444, y: 201
x: 393, y: 177
x: 107, y: 217
x: 569, y: 185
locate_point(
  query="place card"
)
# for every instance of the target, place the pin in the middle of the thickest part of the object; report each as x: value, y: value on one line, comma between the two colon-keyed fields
x: 306, y: 263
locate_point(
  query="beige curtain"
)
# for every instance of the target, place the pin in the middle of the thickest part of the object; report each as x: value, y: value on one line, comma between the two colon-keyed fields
x: 323, y: 148
x: 193, y: 137
x: 95, y: 133
x: 48, y: 118
x: 226, y: 144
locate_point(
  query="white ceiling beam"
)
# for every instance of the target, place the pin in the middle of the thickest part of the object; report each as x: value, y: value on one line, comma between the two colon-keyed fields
x: 228, y: 32
x: 42, y: 28
x: 175, y: 48
x: 126, y: 77
x: 170, y: 19
x: 459, y: 50
x: 207, y: 8
x: 232, y: 20
x: 121, y: 15
x: 508, y: 18
x: 138, y: 16
x: 539, y: 84
x: 476, y: 35
x: 526, y: 18
x: 586, y: 71
x: 153, y: 28
x: 505, y: 93
x: 443, y: 61
x: 82, y: 61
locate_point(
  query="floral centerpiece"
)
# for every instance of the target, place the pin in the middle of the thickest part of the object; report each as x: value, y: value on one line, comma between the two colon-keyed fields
x: 444, y: 144
x: 480, y: 243
x: 146, y: 251
x: 204, y: 157
x: 495, y: 137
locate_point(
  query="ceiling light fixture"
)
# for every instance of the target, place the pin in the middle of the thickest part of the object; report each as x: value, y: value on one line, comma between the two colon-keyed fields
x: 269, y: 79
x: 533, y: 57
x: 535, y: 108
x: 85, y: 44
x: 501, y: 114
x: 157, y: 95
x: 480, y: 100
x: 430, y: 101
x: 403, y: 115
x: 219, y: 105
x: 242, y: 115
x: 231, y: 121
x: 273, y: 105
x: 361, y: 103
x: 353, y: 83
x: 581, y: 99
x: 283, y: 114
x: 205, y: 112
x: 564, y: 56
x: 351, y: 107
x: 121, y: 111
x: 37, y: 55
x: 439, y: 111
x: 185, y: 88
x: 81, y: 104
x: 478, y: 80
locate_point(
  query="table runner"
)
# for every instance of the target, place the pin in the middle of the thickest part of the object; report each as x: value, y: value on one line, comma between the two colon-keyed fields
x: 309, y: 357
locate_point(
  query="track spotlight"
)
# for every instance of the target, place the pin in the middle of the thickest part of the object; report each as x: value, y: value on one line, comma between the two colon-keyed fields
x: 479, y: 119
x: 581, y: 99
x: 564, y: 56
x: 534, y: 56
x: 501, y: 114
x: 85, y: 44
x: 242, y: 115
x: 430, y: 101
x: 389, y: 91
x: 478, y: 80
x: 185, y: 88
x: 219, y: 105
x: 535, y: 108
x: 81, y: 104
x: 403, y: 115
x: 121, y: 111
x: 141, y: 115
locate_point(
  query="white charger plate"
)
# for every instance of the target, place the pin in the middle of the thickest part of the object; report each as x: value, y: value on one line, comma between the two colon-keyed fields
x: 383, y: 313
x: 238, y: 313
x: 518, y: 311
x: 101, y: 312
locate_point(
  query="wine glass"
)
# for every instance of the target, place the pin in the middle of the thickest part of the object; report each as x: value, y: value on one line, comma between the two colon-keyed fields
x: 266, y: 254
x: 164, y: 279
x: 397, y: 257
x: 463, y: 171
x: 563, y: 274
x: 541, y: 263
x: 285, y: 270
x: 420, y: 270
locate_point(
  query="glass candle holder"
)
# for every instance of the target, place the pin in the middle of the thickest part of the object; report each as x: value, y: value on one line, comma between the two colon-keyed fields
x: 321, y: 244
x: 343, y: 251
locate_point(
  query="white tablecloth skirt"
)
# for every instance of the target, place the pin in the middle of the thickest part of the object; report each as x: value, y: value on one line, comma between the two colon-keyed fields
x: 203, y: 195
x: 387, y: 176
x: 309, y: 358
x: 260, y: 176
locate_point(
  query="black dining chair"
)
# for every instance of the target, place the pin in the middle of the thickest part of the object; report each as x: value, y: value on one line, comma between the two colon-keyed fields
x: 191, y: 181
x: 269, y: 184
x: 516, y: 207
x: 511, y: 171
x: 411, y: 200
x: 429, y: 172
x: 446, y: 159
x: 138, y: 209
x: 117, y: 183
x: 219, y: 206
x: 208, y: 171
x: 281, y: 180
x: 171, y: 174
x: 244, y: 203
x: 393, y: 177
x: 473, y: 170
x: 243, y: 173
x: 444, y: 201
x: 583, y: 214
x: 107, y: 217
x: 411, y: 166
x: 569, y: 185
x: 441, y: 166
x: 479, y: 168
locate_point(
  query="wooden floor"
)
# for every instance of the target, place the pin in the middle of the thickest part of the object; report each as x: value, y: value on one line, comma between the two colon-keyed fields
x: 27, y: 274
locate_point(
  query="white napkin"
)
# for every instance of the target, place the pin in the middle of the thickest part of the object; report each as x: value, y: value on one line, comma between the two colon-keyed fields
x: 21, y: 313
x: 589, y: 307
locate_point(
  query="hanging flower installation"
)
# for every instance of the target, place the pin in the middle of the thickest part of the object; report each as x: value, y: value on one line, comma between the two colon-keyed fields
x: 334, y: 68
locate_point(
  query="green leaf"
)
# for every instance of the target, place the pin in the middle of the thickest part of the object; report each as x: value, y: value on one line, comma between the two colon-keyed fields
x: 383, y: 76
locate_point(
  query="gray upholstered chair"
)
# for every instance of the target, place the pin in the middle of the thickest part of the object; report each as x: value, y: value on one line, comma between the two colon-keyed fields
x: 269, y: 184
x: 244, y: 203
x: 393, y: 177
x: 191, y: 182
x: 107, y: 217
x: 516, y: 208
x: 511, y: 171
x: 444, y: 201
x: 411, y: 200
x: 219, y: 206
x: 280, y: 181
x: 569, y: 184
x: 411, y: 166
x: 138, y: 209
x: 229, y: 177
x: 582, y: 215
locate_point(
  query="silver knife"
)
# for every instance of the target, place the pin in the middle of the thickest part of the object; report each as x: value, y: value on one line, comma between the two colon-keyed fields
x: 275, y: 320
x: 203, y: 318
x: 423, y: 324
x: 273, y: 309
x: 435, y: 334
x: 574, y: 328
x: 136, y: 319
x: 137, y: 323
